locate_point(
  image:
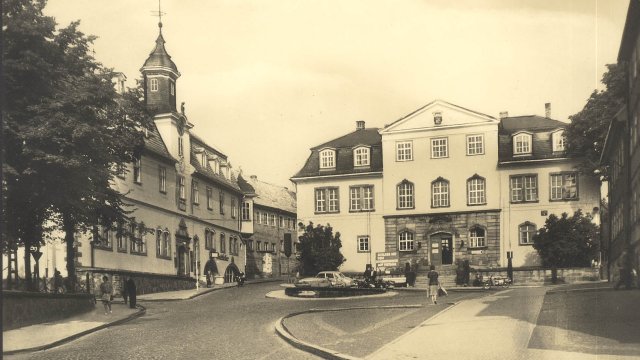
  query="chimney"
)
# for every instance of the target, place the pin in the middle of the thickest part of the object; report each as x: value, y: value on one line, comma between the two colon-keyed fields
x: 547, y: 110
x: 360, y: 125
x: 504, y: 114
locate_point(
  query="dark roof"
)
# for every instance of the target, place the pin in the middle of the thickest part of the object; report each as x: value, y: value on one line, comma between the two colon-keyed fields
x: 630, y: 32
x: 160, y: 57
x: 540, y: 128
x: 344, y: 154
x: 208, y: 173
x: 270, y: 195
x: 153, y: 142
x: 246, y: 188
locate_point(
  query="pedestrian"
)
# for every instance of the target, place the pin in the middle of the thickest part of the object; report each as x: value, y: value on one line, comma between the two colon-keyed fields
x: 58, y: 286
x: 625, y: 279
x: 407, y: 274
x: 433, y: 284
x: 130, y: 287
x: 123, y: 287
x: 107, y: 291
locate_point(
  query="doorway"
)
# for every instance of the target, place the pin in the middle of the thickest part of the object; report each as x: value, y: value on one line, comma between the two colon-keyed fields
x: 181, y: 261
x: 441, y: 251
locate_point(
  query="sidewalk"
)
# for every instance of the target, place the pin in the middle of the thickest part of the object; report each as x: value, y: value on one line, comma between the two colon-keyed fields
x: 48, y: 335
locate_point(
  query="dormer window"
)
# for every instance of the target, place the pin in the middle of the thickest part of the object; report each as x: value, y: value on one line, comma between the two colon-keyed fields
x: 559, y: 141
x: 522, y: 144
x: 153, y: 84
x: 327, y: 159
x: 361, y: 156
x: 203, y: 159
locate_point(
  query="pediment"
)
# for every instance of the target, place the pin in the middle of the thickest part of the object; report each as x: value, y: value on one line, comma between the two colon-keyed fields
x: 439, y: 114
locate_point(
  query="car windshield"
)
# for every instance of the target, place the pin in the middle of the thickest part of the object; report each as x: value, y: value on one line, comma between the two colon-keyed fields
x: 321, y: 275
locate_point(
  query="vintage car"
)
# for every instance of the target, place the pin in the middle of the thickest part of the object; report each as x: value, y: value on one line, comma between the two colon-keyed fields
x: 326, y: 279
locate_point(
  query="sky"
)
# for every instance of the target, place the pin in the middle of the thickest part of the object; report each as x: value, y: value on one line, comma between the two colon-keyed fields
x: 264, y: 81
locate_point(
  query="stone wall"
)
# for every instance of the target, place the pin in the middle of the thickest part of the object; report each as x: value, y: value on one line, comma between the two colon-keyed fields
x: 543, y: 276
x: 21, y: 308
x: 145, y: 283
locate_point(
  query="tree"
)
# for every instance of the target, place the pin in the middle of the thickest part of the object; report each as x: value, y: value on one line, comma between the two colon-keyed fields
x: 65, y: 130
x: 567, y: 241
x: 588, y: 129
x: 319, y: 250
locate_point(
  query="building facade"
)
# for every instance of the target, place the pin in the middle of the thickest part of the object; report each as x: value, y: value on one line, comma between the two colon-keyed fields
x: 340, y: 184
x: 622, y: 155
x: 268, y: 217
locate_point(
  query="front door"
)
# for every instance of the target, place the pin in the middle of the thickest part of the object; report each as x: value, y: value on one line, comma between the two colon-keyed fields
x: 446, y: 246
x: 181, y: 261
x: 441, y: 251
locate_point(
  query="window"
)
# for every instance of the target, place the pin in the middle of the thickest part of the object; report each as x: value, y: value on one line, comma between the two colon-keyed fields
x: 272, y: 219
x: 559, y: 141
x: 137, y: 236
x: 281, y: 221
x: 526, y: 231
x: 405, y: 195
x: 326, y: 200
x: 440, y: 193
x: 634, y: 134
x: 209, y: 198
x: 180, y: 146
x: 477, y: 237
x: 522, y: 144
x: 361, y: 156
x: 162, y: 243
x: 476, y: 191
x: 121, y: 239
x: 258, y: 244
x: 363, y: 243
x: 209, y: 239
x: 181, y: 188
x: 196, y: 193
x: 153, y: 84
x: 162, y: 179
x: 439, y: 148
x: 105, y: 240
x: 257, y: 217
x: 265, y: 218
x: 172, y: 88
x: 203, y: 159
x: 361, y: 198
x: 250, y: 245
x: 524, y: 188
x: 564, y: 186
x: 475, y: 144
x: 223, y: 244
x: 404, y: 151
x: 121, y: 171
x: 234, y: 209
x: 137, y: 170
x: 246, y: 211
x: 405, y: 240
x: 327, y: 159
x: 221, y: 199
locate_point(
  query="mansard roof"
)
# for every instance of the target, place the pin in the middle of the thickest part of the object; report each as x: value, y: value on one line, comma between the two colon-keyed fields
x: 207, y: 171
x: 343, y: 146
x: 540, y: 129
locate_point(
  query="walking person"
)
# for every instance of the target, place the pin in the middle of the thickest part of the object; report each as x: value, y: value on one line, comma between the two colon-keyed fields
x: 124, y: 291
x: 107, y: 291
x: 432, y: 275
x: 130, y: 288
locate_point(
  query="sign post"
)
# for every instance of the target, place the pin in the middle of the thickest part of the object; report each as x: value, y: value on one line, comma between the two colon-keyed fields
x: 36, y: 253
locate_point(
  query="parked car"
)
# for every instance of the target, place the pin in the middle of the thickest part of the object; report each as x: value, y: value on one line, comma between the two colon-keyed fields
x: 326, y: 279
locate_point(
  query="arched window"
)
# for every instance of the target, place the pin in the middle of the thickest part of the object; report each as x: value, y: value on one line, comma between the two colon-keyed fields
x: 522, y: 144
x: 405, y: 241
x: 477, y: 237
x: 440, y: 193
x: 526, y: 231
x: 327, y: 159
x: 476, y: 190
x: 405, y: 195
x: 208, y: 239
x: 159, y: 242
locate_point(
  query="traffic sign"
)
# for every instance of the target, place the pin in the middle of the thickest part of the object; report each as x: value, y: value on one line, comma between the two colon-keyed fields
x: 36, y: 255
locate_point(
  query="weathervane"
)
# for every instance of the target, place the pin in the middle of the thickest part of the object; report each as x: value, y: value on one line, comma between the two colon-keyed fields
x: 159, y: 14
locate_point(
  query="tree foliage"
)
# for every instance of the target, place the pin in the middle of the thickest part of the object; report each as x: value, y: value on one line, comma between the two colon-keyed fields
x: 319, y: 250
x: 65, y: 129
x: 588, y: 129
x: 567, y: 241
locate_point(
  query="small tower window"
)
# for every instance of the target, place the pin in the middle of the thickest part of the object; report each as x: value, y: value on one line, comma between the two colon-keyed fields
x: 172, y: 88
x: 153, y: 84
x: 180, y: 147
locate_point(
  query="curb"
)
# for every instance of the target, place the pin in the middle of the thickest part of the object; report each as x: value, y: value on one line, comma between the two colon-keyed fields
x: 208, y: 291
x: 325, y: 353
x: 141, y: 311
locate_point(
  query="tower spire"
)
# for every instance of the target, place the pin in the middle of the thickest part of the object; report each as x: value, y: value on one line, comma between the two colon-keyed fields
x: 159, y: 14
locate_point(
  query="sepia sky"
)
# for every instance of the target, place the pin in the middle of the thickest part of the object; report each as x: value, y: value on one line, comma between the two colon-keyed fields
x: 264, y: 81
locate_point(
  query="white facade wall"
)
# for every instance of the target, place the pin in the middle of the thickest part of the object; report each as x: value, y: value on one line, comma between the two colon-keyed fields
x: 349, y: 224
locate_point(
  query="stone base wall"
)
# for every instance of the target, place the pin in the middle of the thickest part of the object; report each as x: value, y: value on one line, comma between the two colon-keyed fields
x: 145, y: 283
x: 20, y: 308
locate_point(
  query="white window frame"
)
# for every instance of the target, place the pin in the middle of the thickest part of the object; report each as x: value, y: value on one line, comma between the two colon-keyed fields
x: 196, y: 192
x: 440, y: 193
x: 522, y: 144
x: 440, y: 148
x: 523, y: 188
x: 475, y: 239
x: 137, y: 170
x: 246, y: 211
x: 172, y: 88
x: 162, y: 179
x: 361, y: 156
x: 525, y: 229
x: 363, y: 244
x: 475, y: 144
x: 405, y: 194
x: 559, y: 190
x: 181, y: 188
x: 209, y: 198
x: 361, y: 198
x: 327, y: 159
x: 153, y: 85
x: 406, y: 241
x: 559, y: 141
x: 476, y: 191
x: 326, y: 200
x: 404, y: 150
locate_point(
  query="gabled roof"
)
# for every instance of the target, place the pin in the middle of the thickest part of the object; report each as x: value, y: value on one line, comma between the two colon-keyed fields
x: 344, y: 155
x: 159, y: 57
x: 270, y: 195
x: 540, y: 129
x: 153, y: 142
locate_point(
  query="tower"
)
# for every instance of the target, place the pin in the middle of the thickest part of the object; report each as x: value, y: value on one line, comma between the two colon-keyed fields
x: 159, y: 74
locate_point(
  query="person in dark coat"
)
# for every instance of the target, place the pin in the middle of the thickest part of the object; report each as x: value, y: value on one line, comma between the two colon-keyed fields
x: 130, y: 289
x: 125, y: 294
